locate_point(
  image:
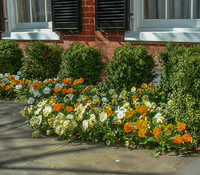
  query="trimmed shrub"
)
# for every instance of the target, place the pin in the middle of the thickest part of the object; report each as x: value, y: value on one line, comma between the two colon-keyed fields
x: 84, y: 62
x: 10, y: 57
x: 130, y: 67
x: 42, y: 61
x: 181, y: 77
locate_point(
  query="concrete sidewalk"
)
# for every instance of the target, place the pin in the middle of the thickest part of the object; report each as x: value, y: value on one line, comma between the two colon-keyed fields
x: 21, y: 154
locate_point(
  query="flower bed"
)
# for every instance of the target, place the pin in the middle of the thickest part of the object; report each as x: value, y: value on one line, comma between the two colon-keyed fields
x: 72, y: 110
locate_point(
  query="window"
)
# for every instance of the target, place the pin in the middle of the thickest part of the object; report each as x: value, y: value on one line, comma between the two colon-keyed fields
x: 165, y: 20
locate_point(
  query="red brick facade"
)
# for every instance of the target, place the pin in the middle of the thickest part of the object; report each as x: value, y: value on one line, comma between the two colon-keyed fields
x: 106, y: 43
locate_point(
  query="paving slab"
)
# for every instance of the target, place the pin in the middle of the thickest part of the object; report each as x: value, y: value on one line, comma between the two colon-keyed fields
x: 10, y: 116
x: 22, y: 154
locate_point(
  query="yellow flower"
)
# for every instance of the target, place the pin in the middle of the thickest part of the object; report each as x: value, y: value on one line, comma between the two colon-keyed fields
x: 142, y: 132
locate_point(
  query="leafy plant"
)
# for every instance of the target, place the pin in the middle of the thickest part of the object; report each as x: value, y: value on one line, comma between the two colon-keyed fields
x: 181, y: 77
x: 130, y: 67
x: 42, y: 61
x: 10, y: 56
x: 84, y: 62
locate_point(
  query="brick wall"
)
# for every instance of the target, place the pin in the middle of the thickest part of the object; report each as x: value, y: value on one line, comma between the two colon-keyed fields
x: 106, y: 43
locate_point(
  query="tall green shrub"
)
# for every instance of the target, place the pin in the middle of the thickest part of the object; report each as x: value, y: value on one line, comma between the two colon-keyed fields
x: 10, y: 56
x: 181, y: 77
x: 84, y: 62
x: 41, y: 61
x: 130, y: 67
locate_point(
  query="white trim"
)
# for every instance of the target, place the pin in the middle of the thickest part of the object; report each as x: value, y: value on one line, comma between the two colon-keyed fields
x: 32, y: 34
x: 163, y: 36
x: 161, y: 30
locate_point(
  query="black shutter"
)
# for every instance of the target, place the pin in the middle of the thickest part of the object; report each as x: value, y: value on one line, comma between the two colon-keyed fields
x: 112, y: 14
x: 66, y: 15
x: 1, y: 17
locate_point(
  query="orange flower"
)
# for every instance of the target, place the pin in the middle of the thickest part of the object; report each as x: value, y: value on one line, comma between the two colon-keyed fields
x: 51, y: 81
x: 149, y: 88
x: 108, y: 111
x: 64, y: 91
x: 90, y: 87
x: 27, y: 82
x: 159, y: 89
x: 134, y: 97
x: 7, y: 88
x: 77, y: 105
x: 20, y: 82
x: 14, y: 82
x: 187, y: 137
x: 178, y: 139
x: 150, y: 84
x: 140, y: 91
x: 67, y: 80
x: 58, y: 106
x: 87, y: 97
x: 84, y: 91
x: 113, y: 101
x: 52, y: 100
x: 58, y: 89
x: 11, y: 77
x: 141, y: 124
x: 128, y: 127
x: 142, y: 132
x: 81, y: 80
x: 129, y: 113
x: 3, y: 84
x: 69, y: 109
x: 142, y: 109
x: 181, y: 126
x: 70, y: 90
x: 76, y: 81
x: 37, y: 85
x: 156, y: 132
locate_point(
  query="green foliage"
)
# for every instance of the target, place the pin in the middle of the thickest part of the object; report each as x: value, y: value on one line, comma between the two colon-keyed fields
x: 130, y: 67
x: 82, y: 62
x: 10, y: 56
x: 42, y: 61
x: 181, y: 77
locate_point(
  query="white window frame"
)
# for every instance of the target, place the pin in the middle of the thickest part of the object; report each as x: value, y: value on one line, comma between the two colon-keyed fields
x: 26, y: 31
x: 161, y: 30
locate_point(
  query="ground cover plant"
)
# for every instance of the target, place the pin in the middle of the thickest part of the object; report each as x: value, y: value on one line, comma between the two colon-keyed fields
x: 145, y: 116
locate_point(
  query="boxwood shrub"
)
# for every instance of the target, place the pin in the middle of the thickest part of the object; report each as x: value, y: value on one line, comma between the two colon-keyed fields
x: 10, y: 57
x: 41, y: 61
x: 80, y: 61
x: 130, y: 66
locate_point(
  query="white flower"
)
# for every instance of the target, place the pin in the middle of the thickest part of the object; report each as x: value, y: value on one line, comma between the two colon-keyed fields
x: 95, y: 98
x: 7, y: 74
x: 69, y: 117
x: 159, y: 118
x: 85, y: 124
x: 70, y: 96
x: 133, y: 89
x: 103, y: 116
x: 47, y: 110
x: 30, y: 100
x: 37, y: 112
x: 58, y: 85
x: 19, y: 73
x: 104, y: 100
x: 1, y: 75
x: 36, y: 120
x: 59, y: 130
x: 17, y: 77
x: 46, y: 90
x: 42, y: 103
x: 18, y: 87
x: 121, y: 113
x: 36, y: 93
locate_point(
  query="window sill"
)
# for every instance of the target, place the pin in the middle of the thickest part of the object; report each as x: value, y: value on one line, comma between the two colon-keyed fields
x: 32, y: 34
x: 164, y: 36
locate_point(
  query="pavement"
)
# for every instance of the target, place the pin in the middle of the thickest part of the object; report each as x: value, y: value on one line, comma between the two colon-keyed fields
x: 22, y: 154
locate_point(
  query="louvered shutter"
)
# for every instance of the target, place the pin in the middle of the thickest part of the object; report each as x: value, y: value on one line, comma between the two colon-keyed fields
x: 66, y: 15
x: 1, y: 17
x: 112, y: 14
